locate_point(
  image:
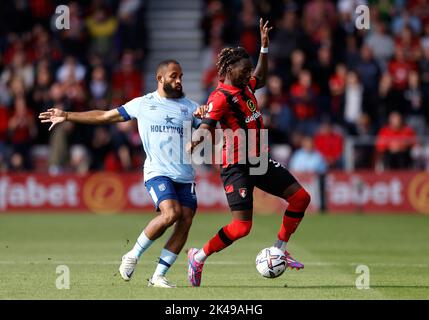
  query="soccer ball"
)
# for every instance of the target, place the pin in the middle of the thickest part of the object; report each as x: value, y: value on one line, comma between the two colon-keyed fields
x: 271, y: 262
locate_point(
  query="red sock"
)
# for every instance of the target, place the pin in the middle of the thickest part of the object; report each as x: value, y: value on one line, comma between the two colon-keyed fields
x: 227, y: 235
x: 288, y: 227
x: 298, y: 203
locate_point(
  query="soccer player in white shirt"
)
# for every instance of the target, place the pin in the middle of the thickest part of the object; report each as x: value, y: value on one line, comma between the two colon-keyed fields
x: 161, y: 116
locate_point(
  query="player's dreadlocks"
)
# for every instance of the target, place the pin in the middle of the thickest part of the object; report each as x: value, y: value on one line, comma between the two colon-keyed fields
x: 229, y: 56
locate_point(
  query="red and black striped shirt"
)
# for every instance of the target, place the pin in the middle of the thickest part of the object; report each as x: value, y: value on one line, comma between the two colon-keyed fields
x: 235, y: 109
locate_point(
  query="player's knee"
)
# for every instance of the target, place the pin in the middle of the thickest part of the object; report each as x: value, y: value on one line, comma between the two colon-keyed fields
x: 185, y: 221
x: 299, y: 201
x: 171, y: 215
x: 238, y: 229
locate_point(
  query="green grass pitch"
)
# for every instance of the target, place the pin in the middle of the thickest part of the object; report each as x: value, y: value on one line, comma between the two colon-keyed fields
x: 395, y: 248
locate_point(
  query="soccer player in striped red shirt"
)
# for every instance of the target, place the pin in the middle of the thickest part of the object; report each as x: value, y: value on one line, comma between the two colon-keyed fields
x: 234, y: 106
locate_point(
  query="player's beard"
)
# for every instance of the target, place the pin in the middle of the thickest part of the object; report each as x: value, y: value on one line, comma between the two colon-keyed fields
x: 171, y: 92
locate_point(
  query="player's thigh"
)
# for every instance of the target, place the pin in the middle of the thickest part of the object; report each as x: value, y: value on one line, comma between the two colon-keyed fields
x: 277, y: 181
x: 163, y: 193
x: 238, y: 187
x: 186, y: 195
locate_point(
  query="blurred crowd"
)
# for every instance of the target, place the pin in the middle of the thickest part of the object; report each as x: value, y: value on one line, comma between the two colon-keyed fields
x: 329, y: 83
x: 95, y: 64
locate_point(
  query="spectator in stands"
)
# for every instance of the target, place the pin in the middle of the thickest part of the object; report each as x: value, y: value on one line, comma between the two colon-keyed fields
x: 248, y: 30
x: 297, y: 64
x: 424, y: 73
x: 19, y: 68
x: 329, y: 142
x: 71, y: 68
x: 388, y: 99
x: 317, y: 15
x: 363, y: 134
x: 208, y: 64
x: 44, y: 47
x: 337, y: 87
x: 307, y: 158
x: 406, y: 20
x: 79, y: 159
x: 369, y: 74
x: 353, y: 99
x: 352, y: 56
x: 131, y: 30
x: 41, y: 98
x: 399, y: 68
x: 415, y: 109
x: 4, y: 154
x: 381, y: 44
x: 127, y: 80
x: 102, y: 27
x: 321, y: 70
x: 102, y: 150
x: 288, y: 37
x: 73, y: 40
x: 304, y: 96
x: 281, y: 115
x: 394, y: 143
x: 424, y: 41
x: 409, y: 43
x: 22, y: 130
x: 99, y: 88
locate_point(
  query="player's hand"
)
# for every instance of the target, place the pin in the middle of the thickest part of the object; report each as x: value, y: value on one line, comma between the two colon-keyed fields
x: 53, y: 115
x: 264, y: 29
x: 201, y: 111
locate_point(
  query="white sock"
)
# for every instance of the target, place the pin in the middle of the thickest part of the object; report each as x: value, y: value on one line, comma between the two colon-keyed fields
x: 166, y: 260
x: 281, y: 245
x: 143, y: 242
x: 200, y: 256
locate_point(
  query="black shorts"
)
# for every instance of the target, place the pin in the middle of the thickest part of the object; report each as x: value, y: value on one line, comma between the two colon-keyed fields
x: 239, y: 184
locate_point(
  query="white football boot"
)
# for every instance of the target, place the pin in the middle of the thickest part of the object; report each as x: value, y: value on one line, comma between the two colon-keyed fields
x: 160, y: 282
x: 127, y: 267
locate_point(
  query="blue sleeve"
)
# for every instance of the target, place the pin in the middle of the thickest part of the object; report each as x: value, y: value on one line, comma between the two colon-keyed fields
x: 131, y: 109
x: 123, y: 113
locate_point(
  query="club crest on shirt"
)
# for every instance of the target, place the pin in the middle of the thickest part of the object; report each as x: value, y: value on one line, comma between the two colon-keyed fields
x: 242, y: 192
x: 162, y: 187
x: 184, y: 111
x: 251, y: 105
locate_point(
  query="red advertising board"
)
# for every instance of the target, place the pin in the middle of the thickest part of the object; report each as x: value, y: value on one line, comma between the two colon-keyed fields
x: 388, y: 192
x: 107, y: 193
x: 100, y: 192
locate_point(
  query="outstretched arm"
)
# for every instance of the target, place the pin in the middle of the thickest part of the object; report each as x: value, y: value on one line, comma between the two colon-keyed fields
x: 56, y: 116
x: 261, y: 69
x: 204, y: 131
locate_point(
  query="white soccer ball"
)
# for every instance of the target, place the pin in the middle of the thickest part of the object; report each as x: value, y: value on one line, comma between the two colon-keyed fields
x: 271, y: 262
